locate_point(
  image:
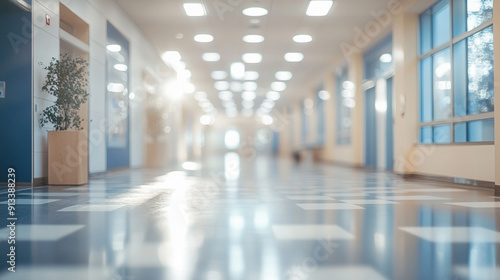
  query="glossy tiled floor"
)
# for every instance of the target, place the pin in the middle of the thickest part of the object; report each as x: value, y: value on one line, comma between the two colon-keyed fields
x: 262, y: 219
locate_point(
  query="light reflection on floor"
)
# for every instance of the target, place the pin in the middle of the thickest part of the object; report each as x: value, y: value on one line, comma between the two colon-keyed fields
x: 261, y: 218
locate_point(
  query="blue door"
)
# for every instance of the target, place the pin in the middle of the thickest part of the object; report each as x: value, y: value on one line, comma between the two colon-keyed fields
x: 370, y: 128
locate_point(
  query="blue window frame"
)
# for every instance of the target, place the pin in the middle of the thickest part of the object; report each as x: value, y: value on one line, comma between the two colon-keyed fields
x: 456, y: 72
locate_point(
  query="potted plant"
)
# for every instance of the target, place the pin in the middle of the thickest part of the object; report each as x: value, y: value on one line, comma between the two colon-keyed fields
x: 67, y: 80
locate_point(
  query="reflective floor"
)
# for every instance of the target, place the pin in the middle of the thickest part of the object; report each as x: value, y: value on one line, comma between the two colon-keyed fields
x: 255, y: 219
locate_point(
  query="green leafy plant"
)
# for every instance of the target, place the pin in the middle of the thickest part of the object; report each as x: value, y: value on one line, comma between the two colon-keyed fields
x: 66, y: 79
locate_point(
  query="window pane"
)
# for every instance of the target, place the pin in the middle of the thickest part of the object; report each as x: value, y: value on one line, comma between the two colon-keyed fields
x: 478, y: 11
x: 442, y: 85
x: 425, y: 32
x: 480, y: 131
x: 442, y: 133
x: 460, y: 132
x: 460, y: 78
x: 426, y: 90
x: 480, y: 72
x: 459, y: 17
x: 440, y: 23
x: 426, y: 134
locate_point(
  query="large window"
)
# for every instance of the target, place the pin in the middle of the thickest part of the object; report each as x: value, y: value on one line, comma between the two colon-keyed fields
x: 456, y: 72
x: 344, y: 102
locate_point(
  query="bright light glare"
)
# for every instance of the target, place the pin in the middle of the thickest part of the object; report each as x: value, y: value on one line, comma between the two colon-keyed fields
x: 386, y: 58
x: 303, y: 38
x: 121, y: 67
x: 249, y: 86
x: 219, y: 75
x: 283, y: 75
x: 253, y: 38
x: 171, y: 56
x: 191, y: 166
x: 237, y: 70
x: 225, y: 95
x: 203, y: 38
x: 319, y: 8
x: 251, y: 75
x: 207, y: 120
x: 115, y: 87
x: 114, y: 48
x: 278, y: 86
x: 267, y: 120
x: 324, y: 95
x: 294, y: 57
x: 211, y: 57
x: 273, y: 95
x: 248, y: 95
x: 252, y: 58
x: 255, y: 12
x: 221, y: 85
x: 194, y: 9
x: 232, y: 139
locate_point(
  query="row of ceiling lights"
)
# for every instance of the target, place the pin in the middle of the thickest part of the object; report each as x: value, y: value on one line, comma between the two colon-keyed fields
x: 315, y: 8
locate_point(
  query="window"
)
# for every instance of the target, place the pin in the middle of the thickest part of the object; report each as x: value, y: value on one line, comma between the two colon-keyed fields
x: 456, y: 72
x: 344, y: 102
x: 320, y: 115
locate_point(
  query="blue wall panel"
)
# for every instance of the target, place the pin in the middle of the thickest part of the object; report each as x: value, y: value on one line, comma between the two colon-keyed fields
x: 15, y: 109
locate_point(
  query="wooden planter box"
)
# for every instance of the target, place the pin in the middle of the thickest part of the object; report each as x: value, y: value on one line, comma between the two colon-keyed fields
x: 68, y: 157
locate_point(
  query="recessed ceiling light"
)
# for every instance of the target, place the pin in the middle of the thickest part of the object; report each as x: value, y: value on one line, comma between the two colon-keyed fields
x: 267, y: 120
x: 211, y: 57
x: 236, y: 86
x: 273, y: 95
x: 247, y: 104
x: 283, y: 75
x: 294, y: 57
x: 226, y: 95
x: 219, y: 75
x: 237, y: 70
x: 252, y: 57
x: 319, y: 8
x: 248, y: 95
x: 221, y: 85
x: 254, y: 38
x: 228, y: 104
x: 171, y: 56
x: 114, y: 48
x: 251, y: 75
x: 250, y: 86
x: 255, y: 12
x: 278, y: 86
x: 324, y: 95
x: 268, y: 104
x: 121, y: 67
x: 386, y: 58
x: 203, y: 38
x: 116, y: 87
x: 303, y: 38
x: 194, y: 9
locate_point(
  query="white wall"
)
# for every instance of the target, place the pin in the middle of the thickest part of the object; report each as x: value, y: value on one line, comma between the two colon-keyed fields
x: 46, y: 45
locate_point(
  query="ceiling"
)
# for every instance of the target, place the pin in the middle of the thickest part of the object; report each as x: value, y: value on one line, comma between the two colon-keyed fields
x: 168, y: 28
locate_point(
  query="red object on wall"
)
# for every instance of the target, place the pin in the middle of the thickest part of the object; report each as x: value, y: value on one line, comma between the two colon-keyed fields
x: 47, y: 19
